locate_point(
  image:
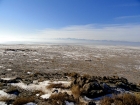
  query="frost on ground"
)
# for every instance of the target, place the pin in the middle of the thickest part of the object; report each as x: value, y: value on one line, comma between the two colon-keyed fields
x: 90, y: 59
x: 6, y: 95
x: 69, y: 103
x: 22, y: 60
x: 84, y: 88
x: 42, y: 86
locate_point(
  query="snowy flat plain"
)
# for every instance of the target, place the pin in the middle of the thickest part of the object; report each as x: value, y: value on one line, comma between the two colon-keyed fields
x: 123, y: 61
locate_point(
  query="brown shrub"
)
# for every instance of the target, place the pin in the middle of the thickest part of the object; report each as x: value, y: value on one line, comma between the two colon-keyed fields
x: 122, y: 99
x: 55, y: 102
x: 106, y: 101
x: 23, y: 100
x: 76, y: 91
x: 138, y: 97
x: 128, y: 99
x: 41, y: 79
x: 61, y: 97
x: 38, y: 92
x: 57, y: 85
x: 4, y: 98
x: 52, y: 85
x: 73, y: 74
x: 86, y: 76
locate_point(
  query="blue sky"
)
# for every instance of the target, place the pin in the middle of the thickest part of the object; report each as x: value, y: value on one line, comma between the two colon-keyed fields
x: 39, y: 20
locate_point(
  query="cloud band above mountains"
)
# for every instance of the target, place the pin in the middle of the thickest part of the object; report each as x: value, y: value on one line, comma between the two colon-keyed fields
x: 116, y: 32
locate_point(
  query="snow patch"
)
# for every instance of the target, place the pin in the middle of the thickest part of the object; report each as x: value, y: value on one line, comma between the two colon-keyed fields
x: 42, y: 87
x: 69, y: 103
x: 30, y: 103
x: 9, y: 69
x: 4, y: 94
x: 28, y: 72
x: 2, y: 103
x: 45, y: 96
x: 7, y: 79
x: 1, y: 66
x: 37, y: 94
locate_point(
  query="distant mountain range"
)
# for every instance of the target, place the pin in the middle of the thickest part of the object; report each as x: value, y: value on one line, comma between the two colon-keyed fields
x: 76, y: 41
x: 94, y: 42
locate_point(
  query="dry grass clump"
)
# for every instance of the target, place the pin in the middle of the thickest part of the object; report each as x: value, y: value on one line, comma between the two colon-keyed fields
x: 62, y: 97
x: 127, y: 99
x: 59, y: 96
x: 137, y: 95
x: 38, y: 92
x: 73, y: 74
x: 41, y: 79
x: 23, y: 100
x: 52, y: 85
x: 57, y: 85
x: 107, y: 101
x: 55, y: 102
x: 76, y: 91
x: 5, y: 98
x: 86, y: 76
x: 122, y: 99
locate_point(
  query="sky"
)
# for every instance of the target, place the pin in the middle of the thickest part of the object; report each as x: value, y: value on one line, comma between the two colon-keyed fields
x: 41, y: 20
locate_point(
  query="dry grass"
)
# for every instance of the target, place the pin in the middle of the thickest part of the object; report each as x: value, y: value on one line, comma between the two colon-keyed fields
x: 62, y: 97
x: 137, y: 95
x: 57, y: 85
x: 40, y: 79
x: 55, y: 102
x: 107, y: 101
x: 76, y: 91
x: 23, y: 100
x: 73, y: 74
x: 59, y: 96
x: 38, y: 92
x: 86, y: 76
x: 5, y: 98
x: 52, y: 85
x: 122, y: 99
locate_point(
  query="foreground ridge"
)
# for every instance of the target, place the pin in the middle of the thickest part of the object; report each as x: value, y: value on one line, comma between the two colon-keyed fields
x: 37, y: 88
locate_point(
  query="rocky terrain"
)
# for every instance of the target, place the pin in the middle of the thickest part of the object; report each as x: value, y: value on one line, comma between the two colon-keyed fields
x: 67, y: 74
x: 37, y: 88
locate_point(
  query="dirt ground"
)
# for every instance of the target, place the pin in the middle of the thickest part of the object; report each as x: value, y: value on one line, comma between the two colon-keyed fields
x: 99, y: 60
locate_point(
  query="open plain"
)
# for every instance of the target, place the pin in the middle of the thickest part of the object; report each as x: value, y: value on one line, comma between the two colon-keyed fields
x: 98, y: 60
x: 67, y: 74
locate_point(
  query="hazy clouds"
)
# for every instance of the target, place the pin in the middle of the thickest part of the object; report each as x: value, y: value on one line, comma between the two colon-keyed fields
x: 128, y: 32
x: 117, y: 32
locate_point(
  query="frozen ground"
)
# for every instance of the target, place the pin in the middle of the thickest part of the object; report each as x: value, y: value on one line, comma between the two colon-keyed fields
x: 123, y: 61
